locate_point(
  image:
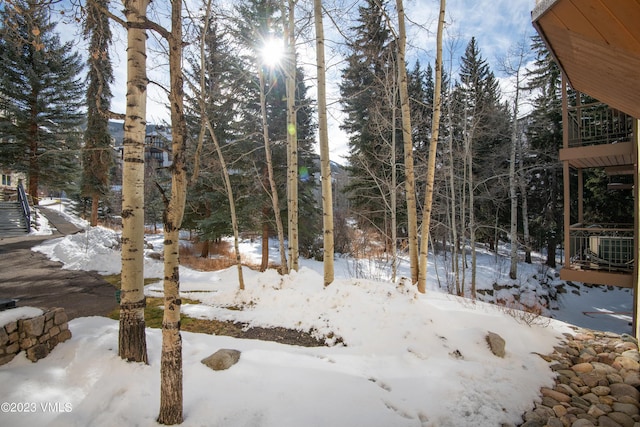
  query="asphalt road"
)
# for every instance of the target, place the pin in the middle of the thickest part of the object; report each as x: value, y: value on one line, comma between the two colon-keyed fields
x: 33, y: 280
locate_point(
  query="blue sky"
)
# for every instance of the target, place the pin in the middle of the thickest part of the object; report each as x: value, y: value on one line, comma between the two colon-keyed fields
x: 497, y: 25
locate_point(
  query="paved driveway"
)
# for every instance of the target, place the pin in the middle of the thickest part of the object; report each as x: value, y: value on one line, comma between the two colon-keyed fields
x: 35, y: 281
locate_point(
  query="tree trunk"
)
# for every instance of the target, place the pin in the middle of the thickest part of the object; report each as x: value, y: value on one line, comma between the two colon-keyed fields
x: 525, y: 215
x: 513, y: 195
x: 325, y: 164
x: 204, y: 253
x: 550, y: 219
x: 433, y: 148
x: 472, y: 226
x: 132, y: 339
x: 464, y: 209
x: 495, y: 239
x: 95, y: 203
x: 34, y: 166
x: 513, y: 181
x: 410, y: 185
x: 272, y: 182
x: 265, y: 239
x: 522, y: 182
x: 232, y: 205
x: 292, y: 137
x: 394, y: 191
x: 171, y: 357
x: 454, y: 220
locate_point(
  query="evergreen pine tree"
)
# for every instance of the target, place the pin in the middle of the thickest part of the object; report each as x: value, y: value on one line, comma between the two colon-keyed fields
x: 603, y: 205
x: 421, y: 92
x: 481, y: 134
x: 97, y: 152
x: 544, y: 133
x: 369, y: 94
x: 486, y: 124
x: 41, y: 94
x: 234, y: 111
x: 207, y: 206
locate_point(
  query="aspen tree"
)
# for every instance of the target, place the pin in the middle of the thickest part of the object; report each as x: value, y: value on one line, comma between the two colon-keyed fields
x: 325, y: 163
x: 410, y: 184
x: 273, y: 194
x: 132, y: 339
x: 289, y: 67
x: 515, y: 70
x: 171, y: 401
x: 433, y: 147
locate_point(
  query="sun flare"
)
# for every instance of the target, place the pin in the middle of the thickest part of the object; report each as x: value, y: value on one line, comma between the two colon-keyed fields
x: 272, y: 51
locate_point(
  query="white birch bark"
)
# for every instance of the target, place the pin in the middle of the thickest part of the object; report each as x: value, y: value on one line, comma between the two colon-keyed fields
x: 524, y: 206
x: 171, y: 401
x: 394, y: 190
x: 292, y: 135
x: 515, y: 70
x: 455, y: 263
x: 410, y: 185
x: 472, y: 221
x: 132, y: 339
x: 433, y: 147
x: 513, y: 194
x: 325, y: 163
x: 275, y: 204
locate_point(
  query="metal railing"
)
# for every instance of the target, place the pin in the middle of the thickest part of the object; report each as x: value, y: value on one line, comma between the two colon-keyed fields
x: 596, y: 123
x: 24, y: 203
x: 607, y: 247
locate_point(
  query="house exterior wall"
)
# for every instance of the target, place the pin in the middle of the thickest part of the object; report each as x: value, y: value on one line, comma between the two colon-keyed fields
x: 8, y: 183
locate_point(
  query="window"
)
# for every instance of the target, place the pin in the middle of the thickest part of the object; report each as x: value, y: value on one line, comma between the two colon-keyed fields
x: 6, y: 180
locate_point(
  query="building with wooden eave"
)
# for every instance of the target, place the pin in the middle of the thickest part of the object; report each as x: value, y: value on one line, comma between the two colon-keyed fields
x: 596, y: 44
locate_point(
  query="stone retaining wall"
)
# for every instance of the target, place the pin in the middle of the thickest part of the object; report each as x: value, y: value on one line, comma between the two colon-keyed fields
x: 37, y: 335
x: 597, y: 383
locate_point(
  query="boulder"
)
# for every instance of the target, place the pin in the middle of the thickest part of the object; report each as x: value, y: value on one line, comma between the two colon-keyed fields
x: 222, y: 359
x: 496, y: 344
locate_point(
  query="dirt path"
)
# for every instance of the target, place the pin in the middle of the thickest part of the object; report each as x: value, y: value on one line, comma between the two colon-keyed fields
x: 33, y: 280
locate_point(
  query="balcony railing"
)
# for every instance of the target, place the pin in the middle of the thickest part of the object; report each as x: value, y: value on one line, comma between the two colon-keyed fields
x: 596, y: 123
x: 606, y: 247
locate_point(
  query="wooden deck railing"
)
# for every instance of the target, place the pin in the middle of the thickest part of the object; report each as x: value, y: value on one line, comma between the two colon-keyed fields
x: 596, y: 123
x: 607, y: 247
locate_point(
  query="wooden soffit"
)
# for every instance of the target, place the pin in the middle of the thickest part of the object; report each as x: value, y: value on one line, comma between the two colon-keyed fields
x: 597, y: 45
x: 618, y: 157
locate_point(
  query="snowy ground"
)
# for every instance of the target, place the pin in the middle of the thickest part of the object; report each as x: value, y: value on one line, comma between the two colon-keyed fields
x: 407, y: 360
